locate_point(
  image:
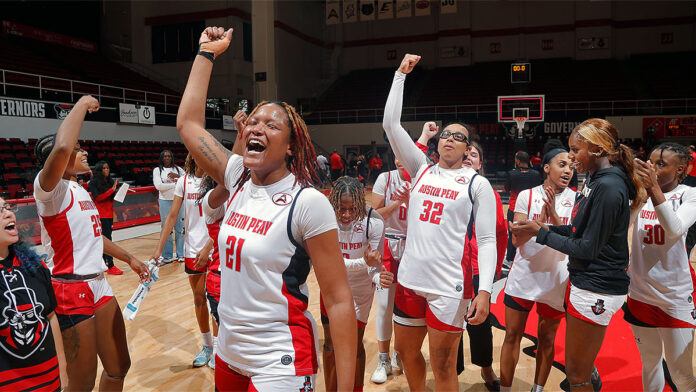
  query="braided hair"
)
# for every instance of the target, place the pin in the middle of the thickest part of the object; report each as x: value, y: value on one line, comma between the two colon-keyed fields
x: 352, y: 187
x: 682, y: 153
x: 302, y: 162
x: 43, y: 148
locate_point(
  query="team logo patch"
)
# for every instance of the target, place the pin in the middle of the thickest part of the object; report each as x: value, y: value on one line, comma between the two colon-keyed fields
x: 676, y: 196
x: 693, y: 314
x: 459, y: 287
x: 462, y: 180
x: 21, y: 330
x: 598, y: 307
x: 286, y: 360
x: 307, y: 386
x: 567, y: 203
x: 358, y: 228
x: 282, y: 199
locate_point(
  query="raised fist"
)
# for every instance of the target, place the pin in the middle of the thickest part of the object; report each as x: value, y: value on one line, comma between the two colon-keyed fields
x: 215, y: 40
x: 91, y: 103
x: 430, y: 129
x: 407, y: 64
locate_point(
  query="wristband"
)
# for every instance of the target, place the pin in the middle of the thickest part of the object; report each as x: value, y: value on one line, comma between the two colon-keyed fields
x: 209, y: 55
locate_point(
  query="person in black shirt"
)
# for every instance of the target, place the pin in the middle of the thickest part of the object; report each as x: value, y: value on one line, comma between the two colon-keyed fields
x: 30, y: 341
x: 518, y: 179
x: 596, y: 242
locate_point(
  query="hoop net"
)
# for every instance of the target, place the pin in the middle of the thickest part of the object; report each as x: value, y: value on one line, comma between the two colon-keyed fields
x: 520, y: 124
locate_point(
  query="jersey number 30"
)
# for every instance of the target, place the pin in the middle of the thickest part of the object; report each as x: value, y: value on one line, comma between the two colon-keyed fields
x: 432, y: 212
x: 234, y: 251
x: 654, y: 235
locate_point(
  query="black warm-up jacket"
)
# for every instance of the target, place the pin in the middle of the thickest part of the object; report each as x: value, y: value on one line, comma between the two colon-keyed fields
x: 596, y: 241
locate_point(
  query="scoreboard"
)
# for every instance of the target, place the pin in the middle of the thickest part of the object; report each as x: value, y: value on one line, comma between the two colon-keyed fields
x: 520, y: 73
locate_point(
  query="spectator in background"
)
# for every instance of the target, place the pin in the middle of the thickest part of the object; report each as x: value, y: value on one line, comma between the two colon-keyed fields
x: 336, y: 166
x: 518, y: 179
x: 323, y: 165
x: 690, y: 179
x: 536, y: 161
x: 103, y: 189
x: 164, y: 176
x: 361, y: 169
x: 375, y: 167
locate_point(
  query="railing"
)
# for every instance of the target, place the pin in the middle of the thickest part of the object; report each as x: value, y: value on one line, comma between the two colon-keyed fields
x: 670, y: 106
x: 47, y: 85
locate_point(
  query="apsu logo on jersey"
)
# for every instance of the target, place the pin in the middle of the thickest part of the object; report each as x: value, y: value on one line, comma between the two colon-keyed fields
x: 358, y: 228
x: 282, y: 199
x: 598, y: 307
x: 21, y: 329
x: 567, y: 203
x: 462, y: 180
x: 307, y: 386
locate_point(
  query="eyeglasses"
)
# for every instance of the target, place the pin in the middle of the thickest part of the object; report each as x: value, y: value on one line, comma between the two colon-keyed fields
x: 457, y: 136
x: 8, y: 208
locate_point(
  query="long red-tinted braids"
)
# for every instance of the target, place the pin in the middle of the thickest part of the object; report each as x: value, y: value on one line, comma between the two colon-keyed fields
x: 302, y: 163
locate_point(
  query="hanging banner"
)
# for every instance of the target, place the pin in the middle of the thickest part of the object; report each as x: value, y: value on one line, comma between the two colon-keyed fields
x: 146, y: 115
x: 367, y: 10
x: 127, y: 113
x: 669, y: 126
x: 350, y: 11
x: 403, y: 8
x: 21, y: 108
x: 422, y: 7
x: 448, y: 6
x: 333, y: 8
x: 385, y: 9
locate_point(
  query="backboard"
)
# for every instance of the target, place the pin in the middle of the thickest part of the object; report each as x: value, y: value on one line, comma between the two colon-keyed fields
x: 530, y: 106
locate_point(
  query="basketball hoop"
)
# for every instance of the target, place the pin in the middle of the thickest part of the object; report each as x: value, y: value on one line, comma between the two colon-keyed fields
x: 520, y: 120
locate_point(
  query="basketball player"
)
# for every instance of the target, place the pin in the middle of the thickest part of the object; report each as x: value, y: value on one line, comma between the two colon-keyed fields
x: 390, y: 198
x: 360, y: 229
x: 660, y: 305
x: 481, y: 335
x: 596, y: 243
x: 274, y: 224
x: 539, y: 273
x: 434, y: 288
x: 187, y: 194
x: 88, y: 314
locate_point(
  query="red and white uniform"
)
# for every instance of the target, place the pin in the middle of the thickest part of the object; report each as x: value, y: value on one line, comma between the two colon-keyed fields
x: 265, y: 327
x: 213, y: 219
x: 440, y: 210
x: 540, y: 273
x: 353, y: 239
x: 396, y: 225
x: 70, y: 229
x: 188, y: 188
x: 661, y: 293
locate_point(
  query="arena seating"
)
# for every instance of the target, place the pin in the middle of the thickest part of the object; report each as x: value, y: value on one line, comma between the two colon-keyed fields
x: 130, y: 160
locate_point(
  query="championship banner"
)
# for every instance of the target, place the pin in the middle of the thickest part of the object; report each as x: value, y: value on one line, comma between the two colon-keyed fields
x: 367, y: 10
x: 448, y: 6
x: 422, y: 7
x: 350, y: 11
x: 385, y: 9
x: 333, y: 8
x: 403, y: 8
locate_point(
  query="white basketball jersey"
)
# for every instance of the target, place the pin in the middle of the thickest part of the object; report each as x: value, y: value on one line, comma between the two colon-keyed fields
x: 386, y: 185
x: 353, y: 240
x: 439, y: 212
x: 213, y: 219
x: 265, y: 326
x: 70, y: 229
x: 188, y: 188
x: 659, y: 270
x: 540, y: 273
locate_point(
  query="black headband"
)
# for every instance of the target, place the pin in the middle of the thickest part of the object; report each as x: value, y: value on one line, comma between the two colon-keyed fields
x: 550, y: 155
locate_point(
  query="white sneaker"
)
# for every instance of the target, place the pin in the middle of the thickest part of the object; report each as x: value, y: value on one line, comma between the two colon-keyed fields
x: 380, y: 374
x: 396, y: 362
x: 211, y: 362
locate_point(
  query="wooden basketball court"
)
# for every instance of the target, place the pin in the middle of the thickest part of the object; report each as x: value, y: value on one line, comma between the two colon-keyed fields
x: 164, y: 337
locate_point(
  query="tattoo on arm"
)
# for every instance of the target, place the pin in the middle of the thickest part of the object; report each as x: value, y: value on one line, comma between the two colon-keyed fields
x: 227, y: 152
x: 71, y: 344
x: 208, y: 151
